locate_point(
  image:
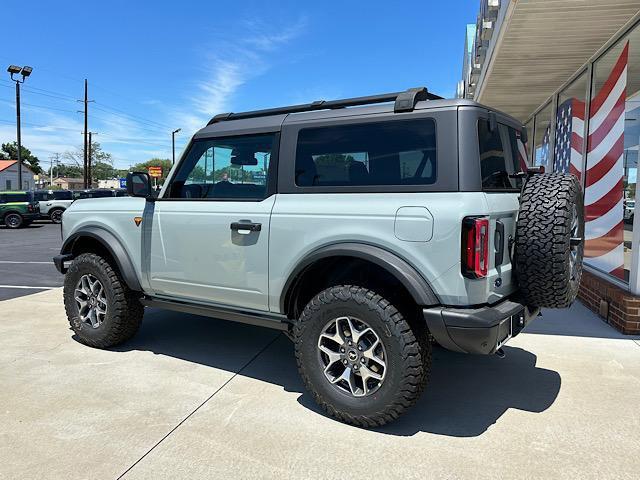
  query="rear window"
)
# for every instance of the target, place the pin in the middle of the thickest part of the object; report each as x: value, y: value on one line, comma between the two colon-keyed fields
x: 384, y: 153
x: 499, y: 157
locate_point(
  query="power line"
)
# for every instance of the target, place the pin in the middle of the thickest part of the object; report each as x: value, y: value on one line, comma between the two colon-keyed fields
x: 106, y: 108
x: 103, y: 107
x: 39, y: 106
x: 52, y: 127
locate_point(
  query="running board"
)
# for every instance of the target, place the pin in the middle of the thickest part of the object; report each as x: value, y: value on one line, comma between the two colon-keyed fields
x: 260, y: 319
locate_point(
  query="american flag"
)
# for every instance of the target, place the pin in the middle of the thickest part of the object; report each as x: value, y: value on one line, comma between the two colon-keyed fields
x: 603, y: 197
x: 569, y: 137
x: 542, y: 153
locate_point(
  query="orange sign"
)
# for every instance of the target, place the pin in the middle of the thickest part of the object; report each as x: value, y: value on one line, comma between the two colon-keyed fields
x: 155, y: 172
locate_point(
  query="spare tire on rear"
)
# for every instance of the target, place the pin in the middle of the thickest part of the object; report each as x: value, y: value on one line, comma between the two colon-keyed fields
x: 549, y: 242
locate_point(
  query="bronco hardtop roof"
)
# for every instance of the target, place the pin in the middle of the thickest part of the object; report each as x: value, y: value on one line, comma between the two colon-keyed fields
x: 407, y: 101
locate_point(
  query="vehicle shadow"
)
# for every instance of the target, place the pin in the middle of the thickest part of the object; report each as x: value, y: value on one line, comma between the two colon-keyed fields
x: 465, y: 396
x: 23, y: 227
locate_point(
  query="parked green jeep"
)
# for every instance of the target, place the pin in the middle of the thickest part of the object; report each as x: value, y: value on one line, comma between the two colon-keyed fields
x: 18, y: 209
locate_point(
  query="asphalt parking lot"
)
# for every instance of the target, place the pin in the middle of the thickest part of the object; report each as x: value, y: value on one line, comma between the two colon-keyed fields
x: 193, y: 397
x: 26, y: 254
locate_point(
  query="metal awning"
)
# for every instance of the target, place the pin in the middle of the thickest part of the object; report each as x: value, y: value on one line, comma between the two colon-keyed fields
x: 540, y: 44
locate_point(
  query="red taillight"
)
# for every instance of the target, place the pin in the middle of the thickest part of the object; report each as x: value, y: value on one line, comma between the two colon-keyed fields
x: 475, y: 247
x: 30, y: 208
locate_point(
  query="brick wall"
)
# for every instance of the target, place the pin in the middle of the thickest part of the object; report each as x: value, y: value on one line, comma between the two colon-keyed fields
x: 618, y: 307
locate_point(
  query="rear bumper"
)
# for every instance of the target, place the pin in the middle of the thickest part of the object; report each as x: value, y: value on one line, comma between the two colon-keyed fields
x: 478, y: 330
x: 59, y: 260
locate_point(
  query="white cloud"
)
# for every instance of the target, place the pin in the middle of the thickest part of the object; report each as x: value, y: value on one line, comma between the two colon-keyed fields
x: 130, y: 141
x: 225, y: 74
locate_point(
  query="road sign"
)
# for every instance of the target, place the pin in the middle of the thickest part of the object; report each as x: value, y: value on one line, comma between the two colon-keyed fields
x: 155, y: 172
x: 123, y: 183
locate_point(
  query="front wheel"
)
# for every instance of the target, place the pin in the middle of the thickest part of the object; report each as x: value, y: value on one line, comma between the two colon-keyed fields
x: 101, y: 309
x: 359, y: 357
x: 13, y: 220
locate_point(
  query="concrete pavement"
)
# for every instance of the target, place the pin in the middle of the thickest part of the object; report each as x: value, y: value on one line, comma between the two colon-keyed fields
x: 192, y: 397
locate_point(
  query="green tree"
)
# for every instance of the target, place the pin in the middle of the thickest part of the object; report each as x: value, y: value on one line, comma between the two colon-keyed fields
x: 103, y: 171
x: 72, y: 171
x: 165, y: 163
x: 10, y: 152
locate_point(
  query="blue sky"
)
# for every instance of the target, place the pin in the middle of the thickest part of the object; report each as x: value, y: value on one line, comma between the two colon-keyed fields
x: 156, y: 66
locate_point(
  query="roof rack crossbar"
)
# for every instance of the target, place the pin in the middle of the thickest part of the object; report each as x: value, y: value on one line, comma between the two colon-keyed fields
x: 404, y: 102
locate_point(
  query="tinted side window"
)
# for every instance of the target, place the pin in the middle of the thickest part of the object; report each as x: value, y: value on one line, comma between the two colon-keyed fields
x: 18, y: 197
x: 498, y: 159
x: 384, y: 153
x: 101, y: 194
x: 225, y: 168
x: 62, y: 195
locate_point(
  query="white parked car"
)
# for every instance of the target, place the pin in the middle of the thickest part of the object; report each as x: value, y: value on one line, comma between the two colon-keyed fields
x: 53, y: 203
x: 629, y: 207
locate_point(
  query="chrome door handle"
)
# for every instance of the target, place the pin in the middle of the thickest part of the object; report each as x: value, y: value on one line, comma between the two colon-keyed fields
x: 244, y: 228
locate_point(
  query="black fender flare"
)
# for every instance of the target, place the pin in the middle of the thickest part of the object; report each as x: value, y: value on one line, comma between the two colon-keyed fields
x: 113, y: 246
x: 415, y: 284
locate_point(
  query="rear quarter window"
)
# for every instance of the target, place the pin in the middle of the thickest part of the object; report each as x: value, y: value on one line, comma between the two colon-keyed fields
x: 369, y: 154
x: 62, y: 195
x: 499, y: 157
x: 18, y: 197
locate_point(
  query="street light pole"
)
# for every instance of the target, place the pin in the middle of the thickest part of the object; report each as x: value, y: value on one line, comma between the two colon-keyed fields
x: 173, y: 145
x: 25, y: 72
x: 18, y: 135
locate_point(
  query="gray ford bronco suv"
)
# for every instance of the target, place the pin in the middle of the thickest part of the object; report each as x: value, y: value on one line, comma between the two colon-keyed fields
x: 366, y: 229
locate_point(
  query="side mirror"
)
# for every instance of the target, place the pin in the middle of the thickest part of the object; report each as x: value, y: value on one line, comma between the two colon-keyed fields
x: 139, y: 185
x: 523, y: 135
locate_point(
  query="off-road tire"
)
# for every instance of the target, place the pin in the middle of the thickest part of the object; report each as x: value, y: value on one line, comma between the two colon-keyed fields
x: 408, y: 356
x: 13, y: 220
x: 56, y: 215
x: 549, y: 206
x: 124, y: 310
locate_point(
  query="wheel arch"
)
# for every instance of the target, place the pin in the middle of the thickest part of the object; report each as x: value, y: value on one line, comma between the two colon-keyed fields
x: 90, y: 239
x: 416, y: 286
x: 9, y: 212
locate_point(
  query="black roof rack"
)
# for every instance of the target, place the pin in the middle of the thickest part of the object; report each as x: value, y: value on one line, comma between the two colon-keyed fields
x: 404, y: 102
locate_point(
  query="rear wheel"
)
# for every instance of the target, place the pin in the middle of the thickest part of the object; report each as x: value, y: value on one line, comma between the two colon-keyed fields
x: 359, y: 357
x: 13, y: 220
x: 550, y: 240
x: 101, y: 309
x: 56, y: 215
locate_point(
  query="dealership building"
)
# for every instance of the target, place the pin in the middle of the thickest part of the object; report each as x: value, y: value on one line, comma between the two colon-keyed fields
x: 570, y: 71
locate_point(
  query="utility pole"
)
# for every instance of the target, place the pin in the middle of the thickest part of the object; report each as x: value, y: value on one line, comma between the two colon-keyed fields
x: 85, y: 133
x: 57, y: 163
x: 89, y: 156
x: 86, y: 121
